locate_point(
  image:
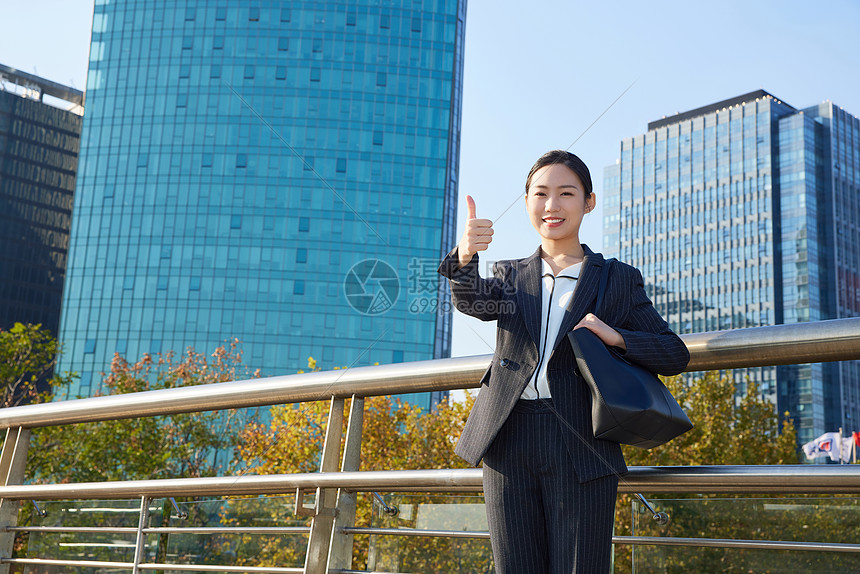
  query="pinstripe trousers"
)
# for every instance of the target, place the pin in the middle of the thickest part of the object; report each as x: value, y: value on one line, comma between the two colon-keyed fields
x: 541, y: 518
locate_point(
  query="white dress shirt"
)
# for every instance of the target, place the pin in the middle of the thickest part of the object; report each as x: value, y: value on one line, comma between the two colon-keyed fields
x: 556, y: 294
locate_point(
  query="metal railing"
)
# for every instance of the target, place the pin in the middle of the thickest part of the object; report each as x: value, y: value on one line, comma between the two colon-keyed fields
x: 332, y: 526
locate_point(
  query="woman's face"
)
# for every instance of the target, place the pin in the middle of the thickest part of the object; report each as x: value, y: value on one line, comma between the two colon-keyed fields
x: 556, y: 203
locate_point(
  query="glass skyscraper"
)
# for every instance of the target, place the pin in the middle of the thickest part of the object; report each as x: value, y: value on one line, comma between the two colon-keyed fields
x: 40, y: 130
x: 744, y: 213
x: 279, y: 172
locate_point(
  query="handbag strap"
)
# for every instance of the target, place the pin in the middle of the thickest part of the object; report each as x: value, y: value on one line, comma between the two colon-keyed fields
x: 601, y: 288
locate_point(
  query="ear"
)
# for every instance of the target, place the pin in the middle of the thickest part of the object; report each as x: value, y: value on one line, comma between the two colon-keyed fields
x: 590, y: 202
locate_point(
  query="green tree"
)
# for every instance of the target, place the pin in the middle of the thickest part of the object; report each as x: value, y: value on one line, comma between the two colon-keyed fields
x: 728, y: 430
x: 395, y: 436
x: 184, y: 445
x: 28, y: 354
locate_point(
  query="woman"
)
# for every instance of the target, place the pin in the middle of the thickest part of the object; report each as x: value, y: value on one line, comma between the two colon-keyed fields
x: 549, y: 485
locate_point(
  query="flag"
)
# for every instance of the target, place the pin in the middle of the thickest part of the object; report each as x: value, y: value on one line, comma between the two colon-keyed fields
x: 847, y: 449
x: 856, y: 437
x: 827, y: 444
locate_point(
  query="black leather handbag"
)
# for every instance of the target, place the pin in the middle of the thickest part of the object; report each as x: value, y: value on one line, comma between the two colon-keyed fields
x: 629, y: 404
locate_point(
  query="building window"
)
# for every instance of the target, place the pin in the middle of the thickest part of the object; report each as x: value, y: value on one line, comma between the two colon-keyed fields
x: 207, y: 160
x: 90, y: 346
x: 301, y: 255
x: 350, y: 18
x: 315, y: 74
x: 184, y: 71
x: 241, y: 160
x: 190, y: 14
x: 142, y: 160
x: 187, y: 42
x: 220, y: 13
x: 215, y: 71
x: 299, y: 287
x: 235, y: 222
x: 385, y: 21
x: 304, y: 224
x: 397, y: 357
x: 249, y: 71
x: 281, y: 73
x: 317, y: 45
x: 377, y: 137
x: 381, y: 79
x: 308, y: 164
x: 254, y: 14
x: 341, y: 165
x: 218, y: 43
x: 162, y: 283
x: 181, y: 100
x: 194, y: 284
x: 416, y: 24
x: 283, y: 44
x: 285, y: 14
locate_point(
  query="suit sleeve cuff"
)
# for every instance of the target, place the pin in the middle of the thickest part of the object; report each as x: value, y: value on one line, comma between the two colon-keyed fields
x: 450, y: 266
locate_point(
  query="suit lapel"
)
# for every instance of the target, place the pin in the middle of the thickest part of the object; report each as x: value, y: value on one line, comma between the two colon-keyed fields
x: 584, y: 295
x: 528, y: 293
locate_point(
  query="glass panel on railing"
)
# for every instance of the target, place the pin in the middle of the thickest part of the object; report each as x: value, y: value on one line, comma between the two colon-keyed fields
x: 242, y: 547
x: 426, y: 554
x: 107, y: 545
x: 835, y: 519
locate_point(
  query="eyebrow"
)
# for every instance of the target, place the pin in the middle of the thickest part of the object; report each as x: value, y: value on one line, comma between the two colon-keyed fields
x: 542, y: 186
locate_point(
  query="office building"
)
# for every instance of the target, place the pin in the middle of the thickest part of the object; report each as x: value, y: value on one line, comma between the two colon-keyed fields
x: 40, y: 129
x: 278, y: 172
x: 745, y: 213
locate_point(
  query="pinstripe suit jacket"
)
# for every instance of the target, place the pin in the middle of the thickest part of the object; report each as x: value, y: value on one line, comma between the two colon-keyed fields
x: 512, y: 297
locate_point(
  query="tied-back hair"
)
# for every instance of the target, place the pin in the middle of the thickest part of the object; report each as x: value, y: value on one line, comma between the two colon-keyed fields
x: 567, y: 159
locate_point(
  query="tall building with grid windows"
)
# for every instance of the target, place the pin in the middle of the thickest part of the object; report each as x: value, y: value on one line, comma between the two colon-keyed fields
x: 745, y: 213
x: 40, y: 130
x: 278, y: 172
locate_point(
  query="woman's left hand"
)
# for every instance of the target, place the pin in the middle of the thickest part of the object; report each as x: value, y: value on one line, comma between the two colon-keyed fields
x: 607, y: 334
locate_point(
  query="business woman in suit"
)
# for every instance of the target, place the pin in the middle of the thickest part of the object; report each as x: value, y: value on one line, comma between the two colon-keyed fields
x: 549, y: 485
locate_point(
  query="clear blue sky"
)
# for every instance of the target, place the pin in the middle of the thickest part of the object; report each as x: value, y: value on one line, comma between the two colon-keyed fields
x: 537, y: 76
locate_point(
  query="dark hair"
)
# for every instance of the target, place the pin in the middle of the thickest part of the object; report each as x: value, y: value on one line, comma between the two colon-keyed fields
x: 567, y: 159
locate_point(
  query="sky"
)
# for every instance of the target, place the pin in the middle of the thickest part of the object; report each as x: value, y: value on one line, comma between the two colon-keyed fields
x: 577, y: 75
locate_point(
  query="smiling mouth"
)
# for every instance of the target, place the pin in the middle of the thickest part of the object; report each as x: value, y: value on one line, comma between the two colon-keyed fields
x: 552, y: 220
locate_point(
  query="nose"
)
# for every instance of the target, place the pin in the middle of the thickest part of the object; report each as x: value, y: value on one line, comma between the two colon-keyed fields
x: 551, y: 203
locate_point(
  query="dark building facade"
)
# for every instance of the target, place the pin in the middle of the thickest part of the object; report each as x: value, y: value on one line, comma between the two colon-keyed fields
x: 745, y: 213
x: 39, y: 145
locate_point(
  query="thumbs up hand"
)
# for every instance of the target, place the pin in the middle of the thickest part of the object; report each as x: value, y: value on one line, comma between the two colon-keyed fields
x: 477, y: 235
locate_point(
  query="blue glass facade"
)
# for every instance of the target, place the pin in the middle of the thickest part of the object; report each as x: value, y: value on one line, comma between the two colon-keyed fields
x: 39, y: 144
x: 240, y: 162
x: 730, y: 212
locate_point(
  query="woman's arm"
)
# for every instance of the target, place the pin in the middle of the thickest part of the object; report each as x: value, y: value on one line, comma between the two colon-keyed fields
x: 644, y: 336
x: 472, y: 294
x: 649, y: 340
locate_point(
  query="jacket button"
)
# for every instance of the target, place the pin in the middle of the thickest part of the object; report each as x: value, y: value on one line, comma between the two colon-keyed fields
x: 503, y: 363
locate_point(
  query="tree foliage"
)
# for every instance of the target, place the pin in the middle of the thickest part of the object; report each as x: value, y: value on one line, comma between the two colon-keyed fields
x: 395, y: 436
x: 185, y: 445
x: 28, y: 354
x: 728, y: 430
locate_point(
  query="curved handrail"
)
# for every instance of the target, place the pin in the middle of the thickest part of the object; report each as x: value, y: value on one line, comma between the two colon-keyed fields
x: 834, y: 340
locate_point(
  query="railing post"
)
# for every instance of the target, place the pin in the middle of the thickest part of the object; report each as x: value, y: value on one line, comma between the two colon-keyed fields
x: 13, y: 463
x: 340, y: 552
x: 321, y: 526
x: 140, y: 541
